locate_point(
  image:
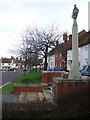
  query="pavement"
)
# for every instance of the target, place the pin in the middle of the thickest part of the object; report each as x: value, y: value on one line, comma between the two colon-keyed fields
x: 10, y: 98
x: 26, y: 97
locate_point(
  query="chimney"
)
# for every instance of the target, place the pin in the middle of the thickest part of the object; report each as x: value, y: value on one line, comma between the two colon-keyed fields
x: 70, y: 36
x: 65, y: 37
x: 16, y: 58
x: 56, y: 42
x: 12, y: 57
x: 20, y: 59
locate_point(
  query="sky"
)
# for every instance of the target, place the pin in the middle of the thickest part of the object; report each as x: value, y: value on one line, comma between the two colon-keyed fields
x: 16, y: 15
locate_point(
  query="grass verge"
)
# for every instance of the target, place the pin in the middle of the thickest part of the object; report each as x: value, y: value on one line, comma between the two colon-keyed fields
x: 7, y: 88
x: 34, y: 76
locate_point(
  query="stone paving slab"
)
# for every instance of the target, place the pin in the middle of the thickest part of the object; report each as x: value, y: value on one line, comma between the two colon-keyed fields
x: 11, y: 98
x: 48, y: 95
x: 35, y: 96
x: 31, y: 96
x: 26, y: 97
x: 21, y: 97
x: 41, y: 96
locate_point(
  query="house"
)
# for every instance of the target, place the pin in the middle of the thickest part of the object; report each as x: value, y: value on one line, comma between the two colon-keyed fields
x: 89, y: 30
x: 57, y: 56
x: 84, y: 46
x: 51, y: 59
x: 62, y: 52
x: 7, y: 63
x: 19, y: 63
x: 88, y: 15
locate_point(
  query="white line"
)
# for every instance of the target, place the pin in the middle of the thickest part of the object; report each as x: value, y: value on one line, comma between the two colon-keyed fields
x: 4, y: 84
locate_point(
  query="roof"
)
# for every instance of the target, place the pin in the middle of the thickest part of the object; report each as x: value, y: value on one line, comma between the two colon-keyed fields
x: 83, y: 37
x: 7, y: 60
x: 52, y: 52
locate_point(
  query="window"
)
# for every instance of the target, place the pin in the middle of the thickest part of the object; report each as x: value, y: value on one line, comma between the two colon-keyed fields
x: 86, y: 47
x: 79, y: 51
x: 60, y: 55
x: 69, y: 62
x: 68, y: 53
x: 86, y: 61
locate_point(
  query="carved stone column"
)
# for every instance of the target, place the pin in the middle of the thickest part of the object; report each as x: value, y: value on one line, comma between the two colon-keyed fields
x: 75, y: 73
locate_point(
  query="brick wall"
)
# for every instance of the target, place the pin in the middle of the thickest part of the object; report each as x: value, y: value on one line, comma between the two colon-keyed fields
x: 31, y: 88
x: 68, y: 87
x: 47, y: 76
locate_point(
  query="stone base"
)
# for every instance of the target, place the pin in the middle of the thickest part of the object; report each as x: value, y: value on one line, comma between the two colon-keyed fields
x: 75, y: 75
x: 70, y: 87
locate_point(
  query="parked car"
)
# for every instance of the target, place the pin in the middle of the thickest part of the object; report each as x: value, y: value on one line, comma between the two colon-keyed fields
x: 82, y: 68
x: 58, y: 69
x: 25, y: 69
x: 85, y: 70
x: 49, y: 69
x: 12, y: 69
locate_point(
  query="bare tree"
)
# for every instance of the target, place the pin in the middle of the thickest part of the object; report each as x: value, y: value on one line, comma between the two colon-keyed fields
x: 36, y: 43
x: 46, y: 40
x: 25, y: 49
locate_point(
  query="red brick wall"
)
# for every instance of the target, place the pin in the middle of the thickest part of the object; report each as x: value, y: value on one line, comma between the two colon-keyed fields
x: 68, y: 87
x: 18, y: 89
x: 58, y: 58
x: 47, y: 76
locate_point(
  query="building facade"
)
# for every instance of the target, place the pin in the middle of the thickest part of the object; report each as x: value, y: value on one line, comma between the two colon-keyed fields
x: 88, y: 15
x: 84, y: 46
x: 7, y: 63
x: 59, y: 58
x: 51, y: 59
x: 63, y: 52
x: 89, y: 30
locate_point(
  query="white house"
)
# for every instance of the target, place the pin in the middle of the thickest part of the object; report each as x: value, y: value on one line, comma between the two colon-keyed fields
x: 6, y: 63
x: 83, y: 56
x: 89, y: 30
x: 89, y: 15
x: 83, y: 50
x: 51, y: 59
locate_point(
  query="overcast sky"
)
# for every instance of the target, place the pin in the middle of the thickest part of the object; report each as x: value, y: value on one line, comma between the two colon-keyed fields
x: 15, y: 15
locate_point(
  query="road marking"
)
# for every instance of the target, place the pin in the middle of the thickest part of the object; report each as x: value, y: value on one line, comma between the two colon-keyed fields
x: 4, y: 84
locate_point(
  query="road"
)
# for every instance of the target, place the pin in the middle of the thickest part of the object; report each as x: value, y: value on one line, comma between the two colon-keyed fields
x: 8, y: 76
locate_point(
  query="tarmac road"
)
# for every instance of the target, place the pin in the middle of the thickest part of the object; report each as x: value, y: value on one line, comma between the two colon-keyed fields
x: 8, y: 76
